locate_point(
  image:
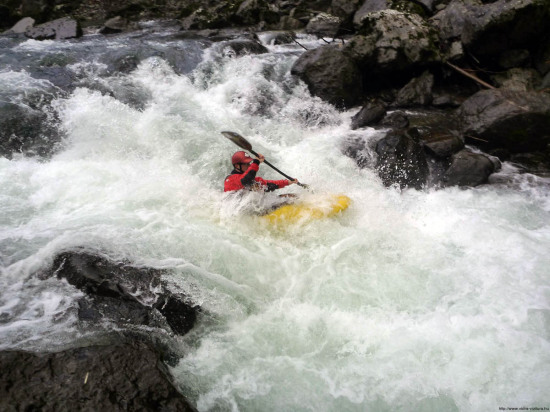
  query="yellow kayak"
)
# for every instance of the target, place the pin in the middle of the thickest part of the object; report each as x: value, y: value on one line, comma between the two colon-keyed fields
x: 328, y: 206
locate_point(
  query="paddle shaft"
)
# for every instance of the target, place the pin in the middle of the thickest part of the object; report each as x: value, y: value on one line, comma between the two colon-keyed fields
x: 274, y: 168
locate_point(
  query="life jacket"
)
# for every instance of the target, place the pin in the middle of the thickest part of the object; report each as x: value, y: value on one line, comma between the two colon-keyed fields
x: 248, y: 180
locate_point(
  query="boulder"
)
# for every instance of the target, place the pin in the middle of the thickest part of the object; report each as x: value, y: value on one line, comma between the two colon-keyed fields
x: 450, y: 21
x: 468, y: 169
x: 401, y: 160
x: 418, y: 92
x: 64, y: 28
x: 122, y: 293
x: 344, y: 9
x: 290, y: 23
x: 117, y: 24
x: 280, y: 37
x: 370, y: 6
x: 251, y: 12
x: 122, y: 376
x: 514, y: 120
x: 25, y: 130
x: 324, y: 25
x: 370, y: 114
x: 396, y: 120
x: 442, y: 144
x: 518, y: 79
x: 330, y: 74
x: 503, y: 25
x: 21, y: 26
x: 392, y: 42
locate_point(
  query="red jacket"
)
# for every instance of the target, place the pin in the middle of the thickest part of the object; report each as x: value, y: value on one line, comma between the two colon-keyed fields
x: 248, y: 179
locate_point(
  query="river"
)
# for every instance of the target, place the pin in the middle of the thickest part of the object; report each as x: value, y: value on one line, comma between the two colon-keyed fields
x: 432, y: 300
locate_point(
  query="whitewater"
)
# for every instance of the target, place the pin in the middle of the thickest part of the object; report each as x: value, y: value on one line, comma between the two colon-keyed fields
x: 431, y: 300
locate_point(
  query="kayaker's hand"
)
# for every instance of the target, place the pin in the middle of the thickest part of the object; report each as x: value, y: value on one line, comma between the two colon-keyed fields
x: 293, y: 182
x: 260, y: 157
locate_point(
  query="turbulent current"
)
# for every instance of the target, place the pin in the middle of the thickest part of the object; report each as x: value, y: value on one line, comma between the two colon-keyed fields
x: 432, y: 300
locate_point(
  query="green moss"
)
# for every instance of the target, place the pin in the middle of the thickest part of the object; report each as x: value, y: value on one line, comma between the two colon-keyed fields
x: 58, y: 59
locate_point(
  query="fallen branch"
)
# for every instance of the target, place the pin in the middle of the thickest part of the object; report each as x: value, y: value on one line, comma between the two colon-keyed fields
x: 301, y: 45
x: 471, y: 76
x: 476, y: 138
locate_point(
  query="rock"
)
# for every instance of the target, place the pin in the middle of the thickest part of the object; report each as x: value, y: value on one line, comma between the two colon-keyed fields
x: 25, y: 130
x: 331, y: 75
x: 392, y: 42
x: 513, y: 120
x: 344, y: 9
x: 21, y: 26
x: 450, y: 21
x: 514, y: 58
x: 64, y: 28
x: 542, y: 57
x: 493, y: 28
x: 442, y: 144
x: 537, y: 163
x: 282, y: 37
x: 290, y: 23
x: 418, y: 92
x: 120, y: 377
x: 324, y: 25
x: 396, y: 120
x: 370, y: 114
x: 518, y: 79
x: 401, y: 160
x: 370, y: 6
x: 243, y: 47
x: 252, y: 12
x: 117, y: 24
x: 468, y: 169
x: 123, y: 293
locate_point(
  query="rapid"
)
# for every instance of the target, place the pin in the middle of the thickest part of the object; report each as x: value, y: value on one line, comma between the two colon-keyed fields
x: 432, y: 300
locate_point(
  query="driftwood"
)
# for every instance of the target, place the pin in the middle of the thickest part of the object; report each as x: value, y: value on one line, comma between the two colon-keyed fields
x: 470, y: 75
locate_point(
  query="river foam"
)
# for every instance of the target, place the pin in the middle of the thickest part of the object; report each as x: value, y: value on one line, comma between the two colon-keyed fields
x: 410, y: 300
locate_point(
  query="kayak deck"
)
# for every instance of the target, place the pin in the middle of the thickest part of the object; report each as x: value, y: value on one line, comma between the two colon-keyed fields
x: 303, y: 211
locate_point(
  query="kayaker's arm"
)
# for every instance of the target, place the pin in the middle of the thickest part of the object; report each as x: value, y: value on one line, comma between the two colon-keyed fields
x: 250, y: 174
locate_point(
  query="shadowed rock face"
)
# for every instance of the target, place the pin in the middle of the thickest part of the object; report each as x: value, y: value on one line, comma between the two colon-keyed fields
x: 514, y: 120
x: 331, y: 75
x: 120, y: 377
x: 124, y: 294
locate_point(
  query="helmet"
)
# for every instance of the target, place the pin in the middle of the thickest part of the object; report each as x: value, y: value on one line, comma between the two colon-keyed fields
x: 240, y: 157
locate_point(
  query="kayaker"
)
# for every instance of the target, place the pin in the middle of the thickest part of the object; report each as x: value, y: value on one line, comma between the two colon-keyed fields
x: 243, y: 175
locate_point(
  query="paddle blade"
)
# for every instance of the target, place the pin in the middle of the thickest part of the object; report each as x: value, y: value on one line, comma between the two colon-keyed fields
x: 238, y: 140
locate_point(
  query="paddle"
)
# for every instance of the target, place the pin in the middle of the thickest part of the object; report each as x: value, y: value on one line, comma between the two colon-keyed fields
x: 245, y: 144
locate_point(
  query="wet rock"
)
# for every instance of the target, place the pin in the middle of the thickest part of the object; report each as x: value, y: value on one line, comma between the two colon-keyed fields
x: 64, y: 28
x: 120, y: 292
x: 418, y: 92
x: 114, y: 25
x: 119, y: 377
x: 345, y: 8
x: 324, y: 25
x: 518, y: 79
x: 25, y: 130
x: 21, y: 26
x: 401, y: 160
x: 243, y: 47
x: 370, y: 6
x: 513, y: 120
x: 251, y: 12
x: 450, y: 21
x: 370, y: 114
x: 537, y: 163
x: 285, y: 37
x: 391, y: 44
x: 331, y: 75
x: 514, y: 58
x: 397, y: 120
x: 290, y: 23
x: 442, y: 143
x: 503, y: 25
x: 468, y: 169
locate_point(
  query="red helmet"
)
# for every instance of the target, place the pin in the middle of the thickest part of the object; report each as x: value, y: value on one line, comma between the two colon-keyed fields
x: 240, y: 157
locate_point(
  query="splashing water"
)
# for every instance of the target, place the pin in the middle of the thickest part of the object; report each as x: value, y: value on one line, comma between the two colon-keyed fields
x: 413, y: 300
